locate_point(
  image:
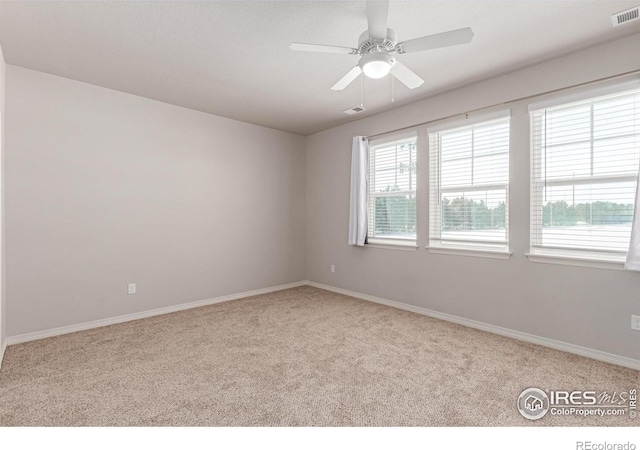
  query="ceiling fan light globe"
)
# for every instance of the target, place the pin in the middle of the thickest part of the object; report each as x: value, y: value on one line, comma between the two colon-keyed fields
x: 376, y: 69
x: 376, y: 65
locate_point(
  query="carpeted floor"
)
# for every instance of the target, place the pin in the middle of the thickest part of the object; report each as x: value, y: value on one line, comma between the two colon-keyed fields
x: 303, y: 356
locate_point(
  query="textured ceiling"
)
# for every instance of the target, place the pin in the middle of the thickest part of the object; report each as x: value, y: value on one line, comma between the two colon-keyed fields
x: 231, y: 58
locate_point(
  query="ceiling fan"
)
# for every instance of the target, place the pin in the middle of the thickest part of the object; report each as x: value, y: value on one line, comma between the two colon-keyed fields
x: 378, y: 47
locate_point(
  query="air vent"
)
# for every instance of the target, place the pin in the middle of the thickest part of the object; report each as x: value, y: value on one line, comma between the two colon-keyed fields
x: 627, y: 16
x: 354, y: 110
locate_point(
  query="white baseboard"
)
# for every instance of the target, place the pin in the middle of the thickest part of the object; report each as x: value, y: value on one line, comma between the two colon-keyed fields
x: 3, y: 347
x: 526, y: 337
x: 18, y: 339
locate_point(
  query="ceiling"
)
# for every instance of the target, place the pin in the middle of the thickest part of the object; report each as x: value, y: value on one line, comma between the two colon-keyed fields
x: 231, y: 58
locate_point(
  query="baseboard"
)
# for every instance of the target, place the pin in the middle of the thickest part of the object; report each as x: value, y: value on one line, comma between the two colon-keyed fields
x: 526, y: 337
x: 27, y: 337
x: 3, y: 347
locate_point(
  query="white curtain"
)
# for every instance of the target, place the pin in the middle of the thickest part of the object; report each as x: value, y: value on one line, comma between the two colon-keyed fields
x: 358, y: 205
x: 633, y: 256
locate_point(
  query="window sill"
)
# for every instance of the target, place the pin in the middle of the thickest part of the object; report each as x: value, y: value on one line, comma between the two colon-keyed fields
x: 473, y: 252
x: 579, y: 261
x: 390, y: 244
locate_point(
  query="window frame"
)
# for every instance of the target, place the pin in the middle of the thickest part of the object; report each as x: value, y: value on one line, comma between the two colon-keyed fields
x: 477, y: 248
x: 608, y: 259
x: 399, y: 243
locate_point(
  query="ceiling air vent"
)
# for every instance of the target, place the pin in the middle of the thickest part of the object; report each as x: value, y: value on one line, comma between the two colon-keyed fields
x: 627, y: 16
x: 354, y: 110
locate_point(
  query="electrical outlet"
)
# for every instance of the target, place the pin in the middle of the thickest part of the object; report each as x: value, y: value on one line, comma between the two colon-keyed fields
x: 333, y: 268
x: 131, y: 288
x: 635, y: 323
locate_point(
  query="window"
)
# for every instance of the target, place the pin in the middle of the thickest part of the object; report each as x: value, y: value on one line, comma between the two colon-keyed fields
x: 392, y: 190
x: 469, y: 184
x: 584, y: 166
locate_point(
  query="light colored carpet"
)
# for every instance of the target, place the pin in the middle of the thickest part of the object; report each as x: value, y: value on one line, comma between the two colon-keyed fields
x: 303, y: 356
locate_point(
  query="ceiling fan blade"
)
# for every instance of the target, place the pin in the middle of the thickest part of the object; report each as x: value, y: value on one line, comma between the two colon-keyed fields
x: 347, y: 79
x: 377, y: 16
x: 446, y: 39
x: 406, y: 75
x: 300, y: 47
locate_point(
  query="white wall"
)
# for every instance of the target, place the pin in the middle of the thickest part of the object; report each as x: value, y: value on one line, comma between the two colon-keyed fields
x: 3, y: 328
x: 105, y: 188
x: 583, y: 306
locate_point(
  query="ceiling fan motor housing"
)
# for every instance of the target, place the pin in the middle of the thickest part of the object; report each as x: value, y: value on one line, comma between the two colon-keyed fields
x: 368, y: 45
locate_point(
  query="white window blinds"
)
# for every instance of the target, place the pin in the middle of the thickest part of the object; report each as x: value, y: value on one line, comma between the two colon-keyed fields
x: 469, y: 185
x: 584, y: 166
x: 392, y: 190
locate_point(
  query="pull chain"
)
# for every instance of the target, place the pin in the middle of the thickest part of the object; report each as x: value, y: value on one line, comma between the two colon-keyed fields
x: 362, y: 90
x: 393, y: 100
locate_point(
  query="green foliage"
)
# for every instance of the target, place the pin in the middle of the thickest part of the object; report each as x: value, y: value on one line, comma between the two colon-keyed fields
x: 395, y: 215
x: 560, y: 213
x: 467, y: 214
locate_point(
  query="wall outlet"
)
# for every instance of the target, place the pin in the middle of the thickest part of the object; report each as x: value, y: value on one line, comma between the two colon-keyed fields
x: 131, y: 288
x: 635, y: 323
x: 333, y: 268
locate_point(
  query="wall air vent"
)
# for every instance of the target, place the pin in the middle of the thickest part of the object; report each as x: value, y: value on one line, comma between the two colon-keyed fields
x: 627, y: 16
x: 354, y: 110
